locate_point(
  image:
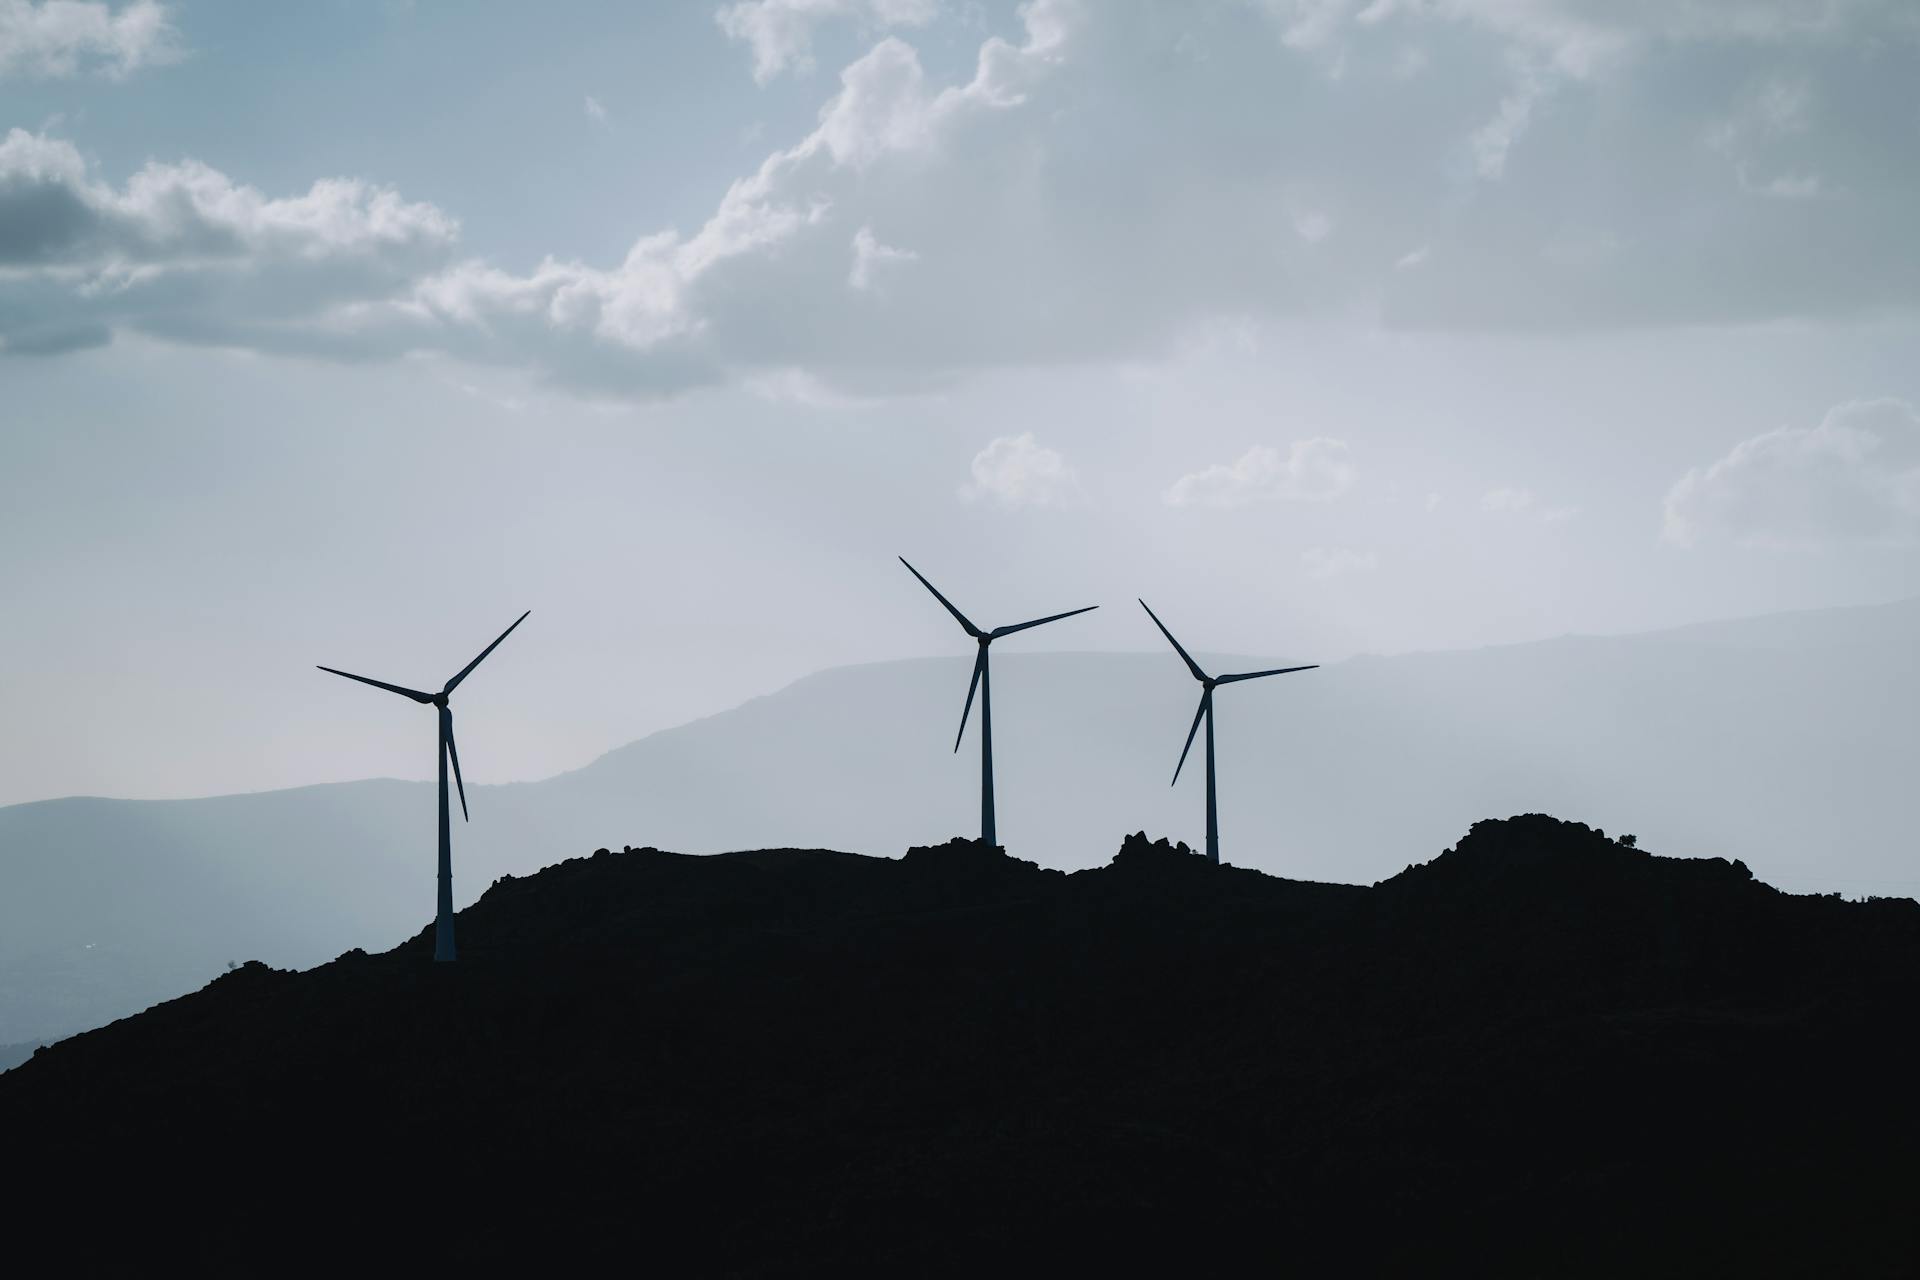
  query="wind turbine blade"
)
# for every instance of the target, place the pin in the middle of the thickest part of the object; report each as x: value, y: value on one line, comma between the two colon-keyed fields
x: 453, y: 754
x: 1255, y: 675
x: 958, y: 616
x: 464, y: 671
x: 978, y: 663
x: 415, y: 694
x: 1192, y: 666
x: 1206, y: 701
x: 1022, y: 626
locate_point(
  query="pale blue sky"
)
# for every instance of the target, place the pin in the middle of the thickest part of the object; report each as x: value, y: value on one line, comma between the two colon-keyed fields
x: 1338, y: 327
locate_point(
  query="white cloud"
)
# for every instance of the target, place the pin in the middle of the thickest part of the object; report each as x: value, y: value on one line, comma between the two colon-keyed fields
x: 884, y: 108
x: 1788, y: 186
x: 871, y: 257
x: 1581, y: 40
x: 1507, y: 500
x: 664, y: 317
x: 1019, y: 471
x: 1767, y: 137
x: 1312, y: 226
x: 1310, y: 24
x: 1493, y: 140
x: 1853, y: 477
x: 1524, y: 502
x: 1064, y: 210
x: 791, y: 385
x: 184, y: 252
x: 1323, y: 563
x: 596, y: 112
x: 780, y: 32
x: 1584, y: 38
x: 1316, y: 470
x: 1779, y: 106
x: 678, y: 311
x: 186, y: 214
x: 59, y: 38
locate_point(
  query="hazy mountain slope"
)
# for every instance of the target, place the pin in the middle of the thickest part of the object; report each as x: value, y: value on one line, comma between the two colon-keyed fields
x: 1714, y: 740
x: 1788, y: 741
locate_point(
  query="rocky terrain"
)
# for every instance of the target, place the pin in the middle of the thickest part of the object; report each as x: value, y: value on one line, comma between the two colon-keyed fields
x: 1543, y: 1052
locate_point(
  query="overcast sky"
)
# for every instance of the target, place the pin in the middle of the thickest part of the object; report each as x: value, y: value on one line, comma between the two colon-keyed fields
x: 345, y: 332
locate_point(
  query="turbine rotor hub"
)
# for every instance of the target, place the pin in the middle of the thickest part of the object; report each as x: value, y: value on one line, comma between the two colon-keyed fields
x: 440, y: 699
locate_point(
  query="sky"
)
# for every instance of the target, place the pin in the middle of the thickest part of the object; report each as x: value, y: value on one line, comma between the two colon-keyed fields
x: 343, y: 333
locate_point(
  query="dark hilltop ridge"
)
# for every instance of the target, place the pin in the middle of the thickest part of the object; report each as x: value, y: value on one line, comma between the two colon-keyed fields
x: 1544, y: 1052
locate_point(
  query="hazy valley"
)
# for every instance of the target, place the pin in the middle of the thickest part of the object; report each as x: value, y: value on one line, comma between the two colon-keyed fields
x: 1783, y: 740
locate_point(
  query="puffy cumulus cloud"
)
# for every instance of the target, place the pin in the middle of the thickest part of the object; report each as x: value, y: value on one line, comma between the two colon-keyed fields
x: 1018, y: 471
x: 1852, y: 477
x: 681, y: 311
x: 186, y: 252
x: 1104, y: 179
x: 871, y: 259
x: 1524, y: 502
x: 181, y: 215
x: 780, y: 32
x: 55, y: 38
x: 1323, y: 563
x: 182, y: 251
x: 1316, y: 470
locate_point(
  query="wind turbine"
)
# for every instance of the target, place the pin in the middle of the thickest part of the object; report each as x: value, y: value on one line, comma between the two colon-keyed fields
x: 1205, y: 712
x: 443, y: 923
x: 984, y: 684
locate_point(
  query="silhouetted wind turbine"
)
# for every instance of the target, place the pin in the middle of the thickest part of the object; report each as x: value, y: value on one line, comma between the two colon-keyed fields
x: 443, y: 922
x: 1205, y: 712
x: 984, y: 684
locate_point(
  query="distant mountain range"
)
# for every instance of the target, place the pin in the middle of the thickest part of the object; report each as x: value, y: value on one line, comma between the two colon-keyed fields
x: 1789, y: 741
x: 1541, y: 1053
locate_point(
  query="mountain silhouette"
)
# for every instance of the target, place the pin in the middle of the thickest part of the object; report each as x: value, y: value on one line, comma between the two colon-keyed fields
x: 1543, y: 1052
x: 1765, y: 739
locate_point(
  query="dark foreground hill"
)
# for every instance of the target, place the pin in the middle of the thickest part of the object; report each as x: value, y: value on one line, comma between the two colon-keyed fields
x: 1542, y: 1053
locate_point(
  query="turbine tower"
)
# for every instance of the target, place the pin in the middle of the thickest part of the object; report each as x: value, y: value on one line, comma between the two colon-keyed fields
x: 983, y: 682
x: 443, y: 922
x: 1207, y: 684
